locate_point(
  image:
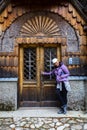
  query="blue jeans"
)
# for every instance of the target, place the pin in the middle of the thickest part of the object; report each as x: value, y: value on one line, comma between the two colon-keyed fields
x: 62, y: 95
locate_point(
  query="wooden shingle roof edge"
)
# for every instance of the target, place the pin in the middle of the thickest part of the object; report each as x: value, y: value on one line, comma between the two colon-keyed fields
x: 81, y: 9
x: 76, y: 3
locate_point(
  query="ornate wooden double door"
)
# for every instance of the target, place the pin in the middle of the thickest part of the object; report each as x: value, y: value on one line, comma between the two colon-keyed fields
x: 37, y: 90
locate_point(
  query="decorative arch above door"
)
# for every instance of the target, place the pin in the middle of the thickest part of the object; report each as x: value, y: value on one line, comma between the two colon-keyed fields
x: 40, y: 26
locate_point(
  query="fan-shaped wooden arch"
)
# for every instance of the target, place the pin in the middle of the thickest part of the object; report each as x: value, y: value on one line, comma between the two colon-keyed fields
x: 40, y: 26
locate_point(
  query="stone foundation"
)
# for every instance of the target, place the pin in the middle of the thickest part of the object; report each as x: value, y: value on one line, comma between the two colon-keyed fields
x: 77, y: 97
x: 86, y: 96
x: 8, y: 94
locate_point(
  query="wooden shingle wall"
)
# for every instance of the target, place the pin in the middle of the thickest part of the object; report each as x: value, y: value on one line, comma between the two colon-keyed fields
x: 9, y: 63
x: 9, y: 60
x: 66, y: 11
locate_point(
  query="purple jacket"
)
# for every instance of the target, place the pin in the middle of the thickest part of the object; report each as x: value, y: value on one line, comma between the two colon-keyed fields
x: 61, y: 73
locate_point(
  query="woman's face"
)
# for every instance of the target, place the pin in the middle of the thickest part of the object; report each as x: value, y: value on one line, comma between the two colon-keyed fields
x: 56, y: 64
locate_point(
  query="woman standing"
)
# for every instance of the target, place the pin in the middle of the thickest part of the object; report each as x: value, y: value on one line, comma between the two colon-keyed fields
x: 61, y: 73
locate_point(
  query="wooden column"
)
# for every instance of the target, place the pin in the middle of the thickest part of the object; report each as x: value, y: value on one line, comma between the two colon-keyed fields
x: 21, y: 70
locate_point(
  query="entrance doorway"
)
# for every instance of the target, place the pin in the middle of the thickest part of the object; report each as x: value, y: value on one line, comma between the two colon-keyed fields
x: 37, y: 90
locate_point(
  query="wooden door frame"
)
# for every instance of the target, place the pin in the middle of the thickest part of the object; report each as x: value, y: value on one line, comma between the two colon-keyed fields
x: 31, y: 42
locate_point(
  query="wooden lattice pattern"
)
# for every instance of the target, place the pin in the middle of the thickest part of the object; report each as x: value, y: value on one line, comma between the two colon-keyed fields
x: 49, y: 54
x: 30, y: 64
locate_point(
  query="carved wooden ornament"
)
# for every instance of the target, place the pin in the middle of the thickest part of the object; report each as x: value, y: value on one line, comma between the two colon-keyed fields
x: 40, y: 26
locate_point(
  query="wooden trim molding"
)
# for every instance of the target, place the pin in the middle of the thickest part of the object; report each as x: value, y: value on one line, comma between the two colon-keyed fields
x: 41, y: 40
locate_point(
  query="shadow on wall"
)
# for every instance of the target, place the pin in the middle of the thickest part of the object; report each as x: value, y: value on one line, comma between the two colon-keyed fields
x: 79, y: 71
x: 5, y: 73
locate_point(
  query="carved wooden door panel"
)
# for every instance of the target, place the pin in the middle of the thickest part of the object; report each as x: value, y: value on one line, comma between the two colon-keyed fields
x: 35, y: 89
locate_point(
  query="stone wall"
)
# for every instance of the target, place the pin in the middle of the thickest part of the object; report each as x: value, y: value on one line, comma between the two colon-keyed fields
x: 86, y: 96
x: 76, y: 98
x: 8, y: 94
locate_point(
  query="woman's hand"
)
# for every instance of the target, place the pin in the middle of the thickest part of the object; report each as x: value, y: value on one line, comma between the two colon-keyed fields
x: 42, y: 72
